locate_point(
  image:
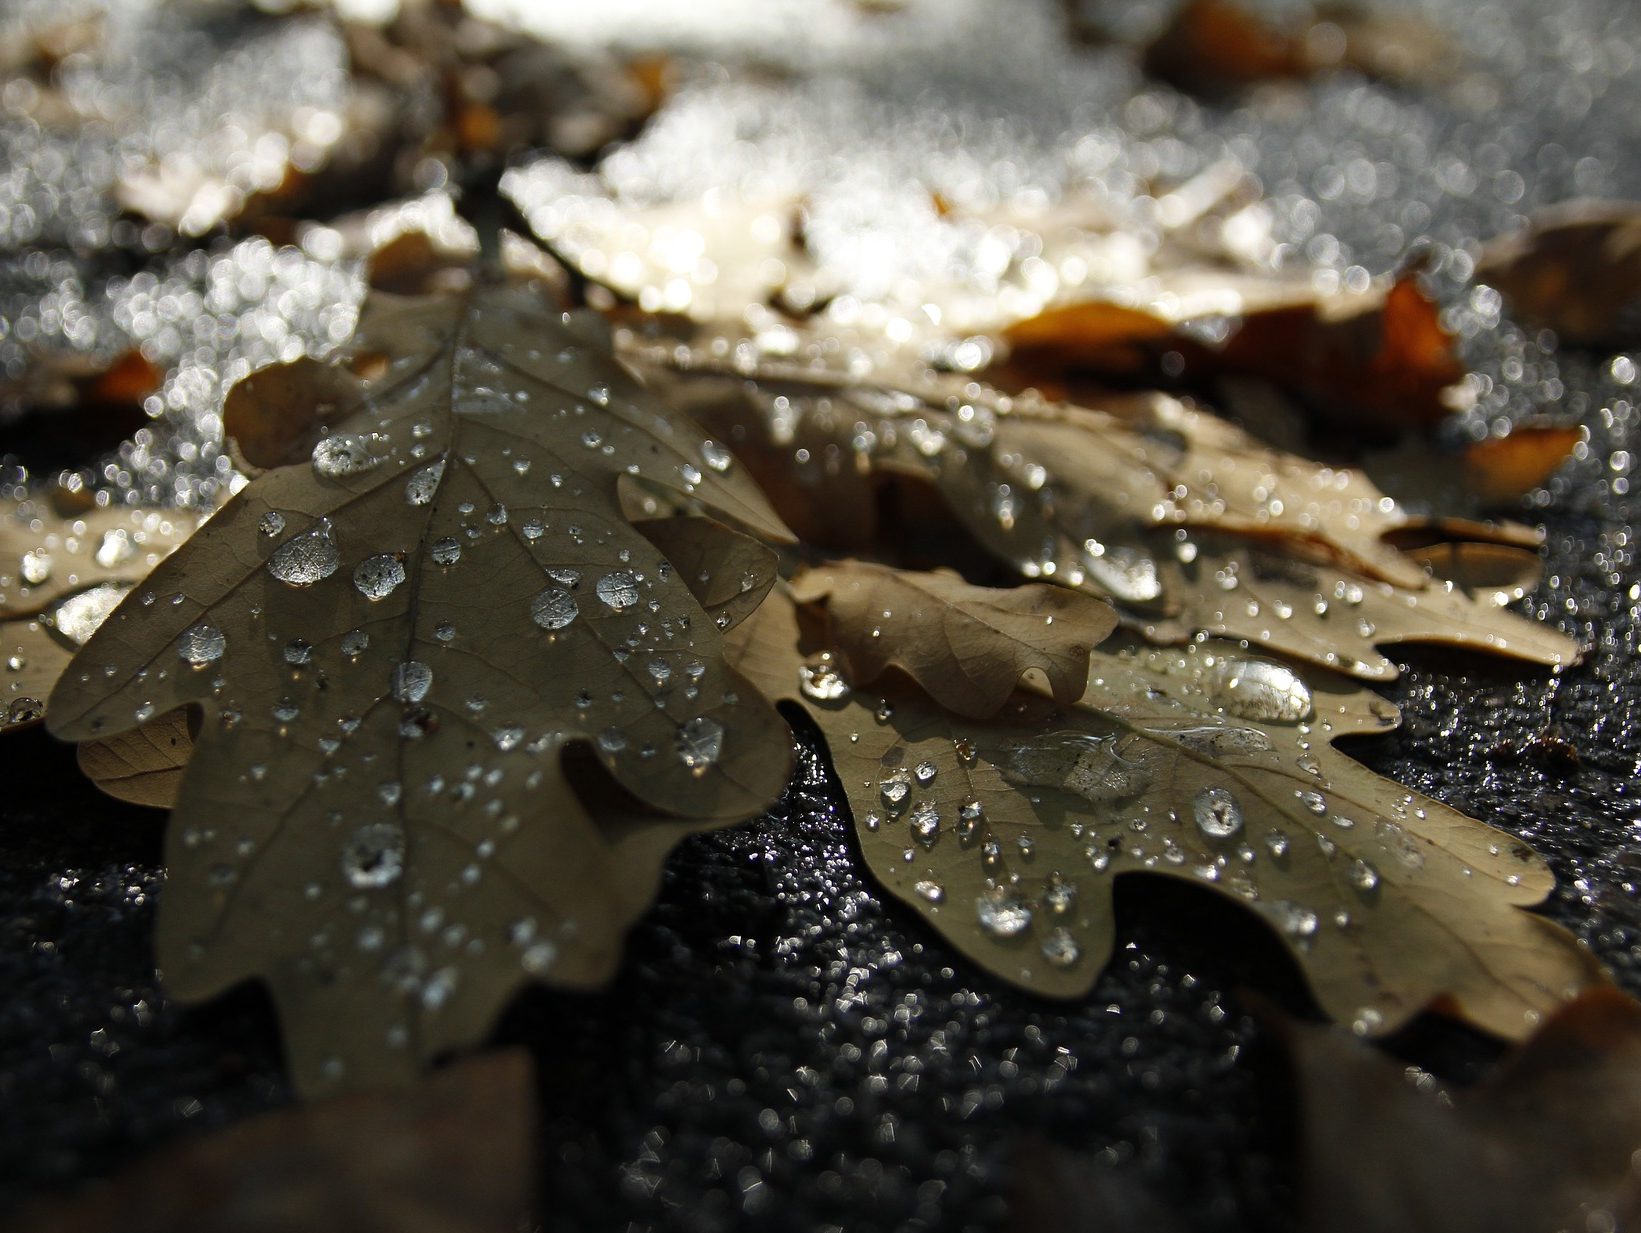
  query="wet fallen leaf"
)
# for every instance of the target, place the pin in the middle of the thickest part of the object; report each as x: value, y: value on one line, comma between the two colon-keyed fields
x: 1178, y: 518
x: 1219, y: 46
x: 394, y: 641
x: 452, y: 1155
x: 1207, y: 764
x: 1546, y: 1141
x: 143, y: 766
x: 1576, y: 269
x: 59, y: 578
x: 969, y: 645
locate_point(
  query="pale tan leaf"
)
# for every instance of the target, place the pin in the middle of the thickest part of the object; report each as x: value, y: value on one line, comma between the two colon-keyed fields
x: 1181, y: 521
x: 395, y: 645
x: 1205, y: 764
x: 969, y: 645
x: 143, y: 766
x: 59, y: 578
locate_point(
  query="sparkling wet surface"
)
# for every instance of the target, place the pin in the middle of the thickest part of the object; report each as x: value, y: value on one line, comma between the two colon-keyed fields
x: 784, y: 1046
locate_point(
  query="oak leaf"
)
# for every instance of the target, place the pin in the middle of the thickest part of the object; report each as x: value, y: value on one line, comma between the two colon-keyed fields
x: 59, y: 578
x: 396, y: 643
x: 1576, y: 269
x: 1181, y: 520
x: 1207, y: 764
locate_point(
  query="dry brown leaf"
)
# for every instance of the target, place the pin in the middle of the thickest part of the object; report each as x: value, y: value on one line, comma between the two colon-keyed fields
x: 1218, y: 46
x: 1575, y: 270
x: 970, y: 645
x: 394, y: 643
x: 143, y: 766
x: 1183, y: 522
x: 453, y: 1155
x: 1206, y: 764
x: 59, y: 578
x: 1546, y: 1141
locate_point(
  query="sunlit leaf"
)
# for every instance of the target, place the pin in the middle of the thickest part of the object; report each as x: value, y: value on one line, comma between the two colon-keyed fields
x: 59, y: 578
x: 1576, y: 269
x: 396, y: 642
x: 1184, y: 522
x: 1207, y: 764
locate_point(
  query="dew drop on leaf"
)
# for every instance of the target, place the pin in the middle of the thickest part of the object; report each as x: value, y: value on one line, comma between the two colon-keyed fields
x: 379, y: 576
x: 374, y: 855
x: 421, y: 487
x: 1061, y: 949
x: 895, y: 788
x: 115, y: 548
x: 970, y: 814
x: 1001, y: 914
x: 925, y: 772
x: 932, y: 891
x: 271, y: 523
x: 411, y: 681
x: 344, y: 453
x: 1217, y: 813
x: 618, y: 589
x: 201, y: 645
x: 700, y: 741
x: 820, y: 680
x: 1312, y: 800
x: 925, y: 822
x: 79, y: 616
x: 554, y: 608
x: 308, y: 558
x: 1122, y: 572
x: 445, y: 551
x: 36, y: 566
x: 1260, y: 689
x: 716, y: 456
x: 1077, y: 762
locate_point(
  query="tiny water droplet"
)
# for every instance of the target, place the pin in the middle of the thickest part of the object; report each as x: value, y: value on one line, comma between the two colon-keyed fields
x: 894, y: 789
x: 925, y: 772
x: 618, y: 589
x: 716, y: 456
x: 374, y: 855
x: 411, y: 681
x: 201, y: 645
x: 700, y: 742
x: 271, y: 523
x: 925, y: 823
x: 1217, y: 813
x: 421, y: 487
x: 932, y: 891
x: 378, y: 577
x: 554, y: 608
x: 307, y: 558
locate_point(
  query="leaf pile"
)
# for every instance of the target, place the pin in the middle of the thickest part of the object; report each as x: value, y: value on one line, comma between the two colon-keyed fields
x: 398, y: 641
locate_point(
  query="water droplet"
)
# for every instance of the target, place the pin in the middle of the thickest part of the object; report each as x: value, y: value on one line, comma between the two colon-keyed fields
x: 307, y: 558
x: 1295, y: 920
x: 554, y: 608
x: 538, y: 959
x: 700, y: 741
x: 716, y: 456
x: 421, y: 487
x: 1222, y: 740
x: 344, y: 453
x: 1260, y: 689
x: 115, y: 548
x: 820, y: 680
x: 970, y: 815
x: 201, y: 645
x: 925, y: 823
x: 618, y: 589
x: 895, y: 788
x: 1061, y: 949
x: 932, y: 891
x: 1217, y: 813
x: 79, y: 616
x: 1122, y: 572
x: 374, y: 855
x: 1059, y: 896
x: 298, y: 652
x: 271, y: 523
x: 966, y: 750
x: 925, y: 772
x: 1312, y: 800
x: 36, y: 566
x: 1001, y: 914
x: 1077, y: 762
x: 411, y: 681
x: 1363, y: 876
x: 354, y: 643
x: 379, y: 576
x: 445, y: 551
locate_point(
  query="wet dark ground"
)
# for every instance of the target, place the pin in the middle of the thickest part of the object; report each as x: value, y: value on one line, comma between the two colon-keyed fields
x: 787, y: 1049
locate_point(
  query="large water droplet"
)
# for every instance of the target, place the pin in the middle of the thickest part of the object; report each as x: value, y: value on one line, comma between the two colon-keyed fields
x: 344, y: 453
x: 374, y: 855
x: 307, y: 558
x: 894, y: 788
x: 1222, y: 740
x: 411, y: 681
x: 1260, y: 689
x: 554, y: 608
x: 820, y: 680
x: 925, y: 823
x: 201, y: 645
x: 1001, y: 914
x: 618, y: 589
x: 1122, y: 572
x: 1217, y: 813
x: 700, y: 741
x: 379, y: 576
x: 1077, y: 762
x: 421, y: 487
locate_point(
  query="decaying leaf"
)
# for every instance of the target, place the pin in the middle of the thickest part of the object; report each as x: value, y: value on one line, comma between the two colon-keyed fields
x: 1546, y: 1141
x: 969, y: 645
x: 1207, y: 764
x: 1576, y: 270
x: 1218, y: 46
x: 142, y: 766
x: 59, y: 578
x: 454, y: 1155
x: 1182, y: 521
x: 394, y: 643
